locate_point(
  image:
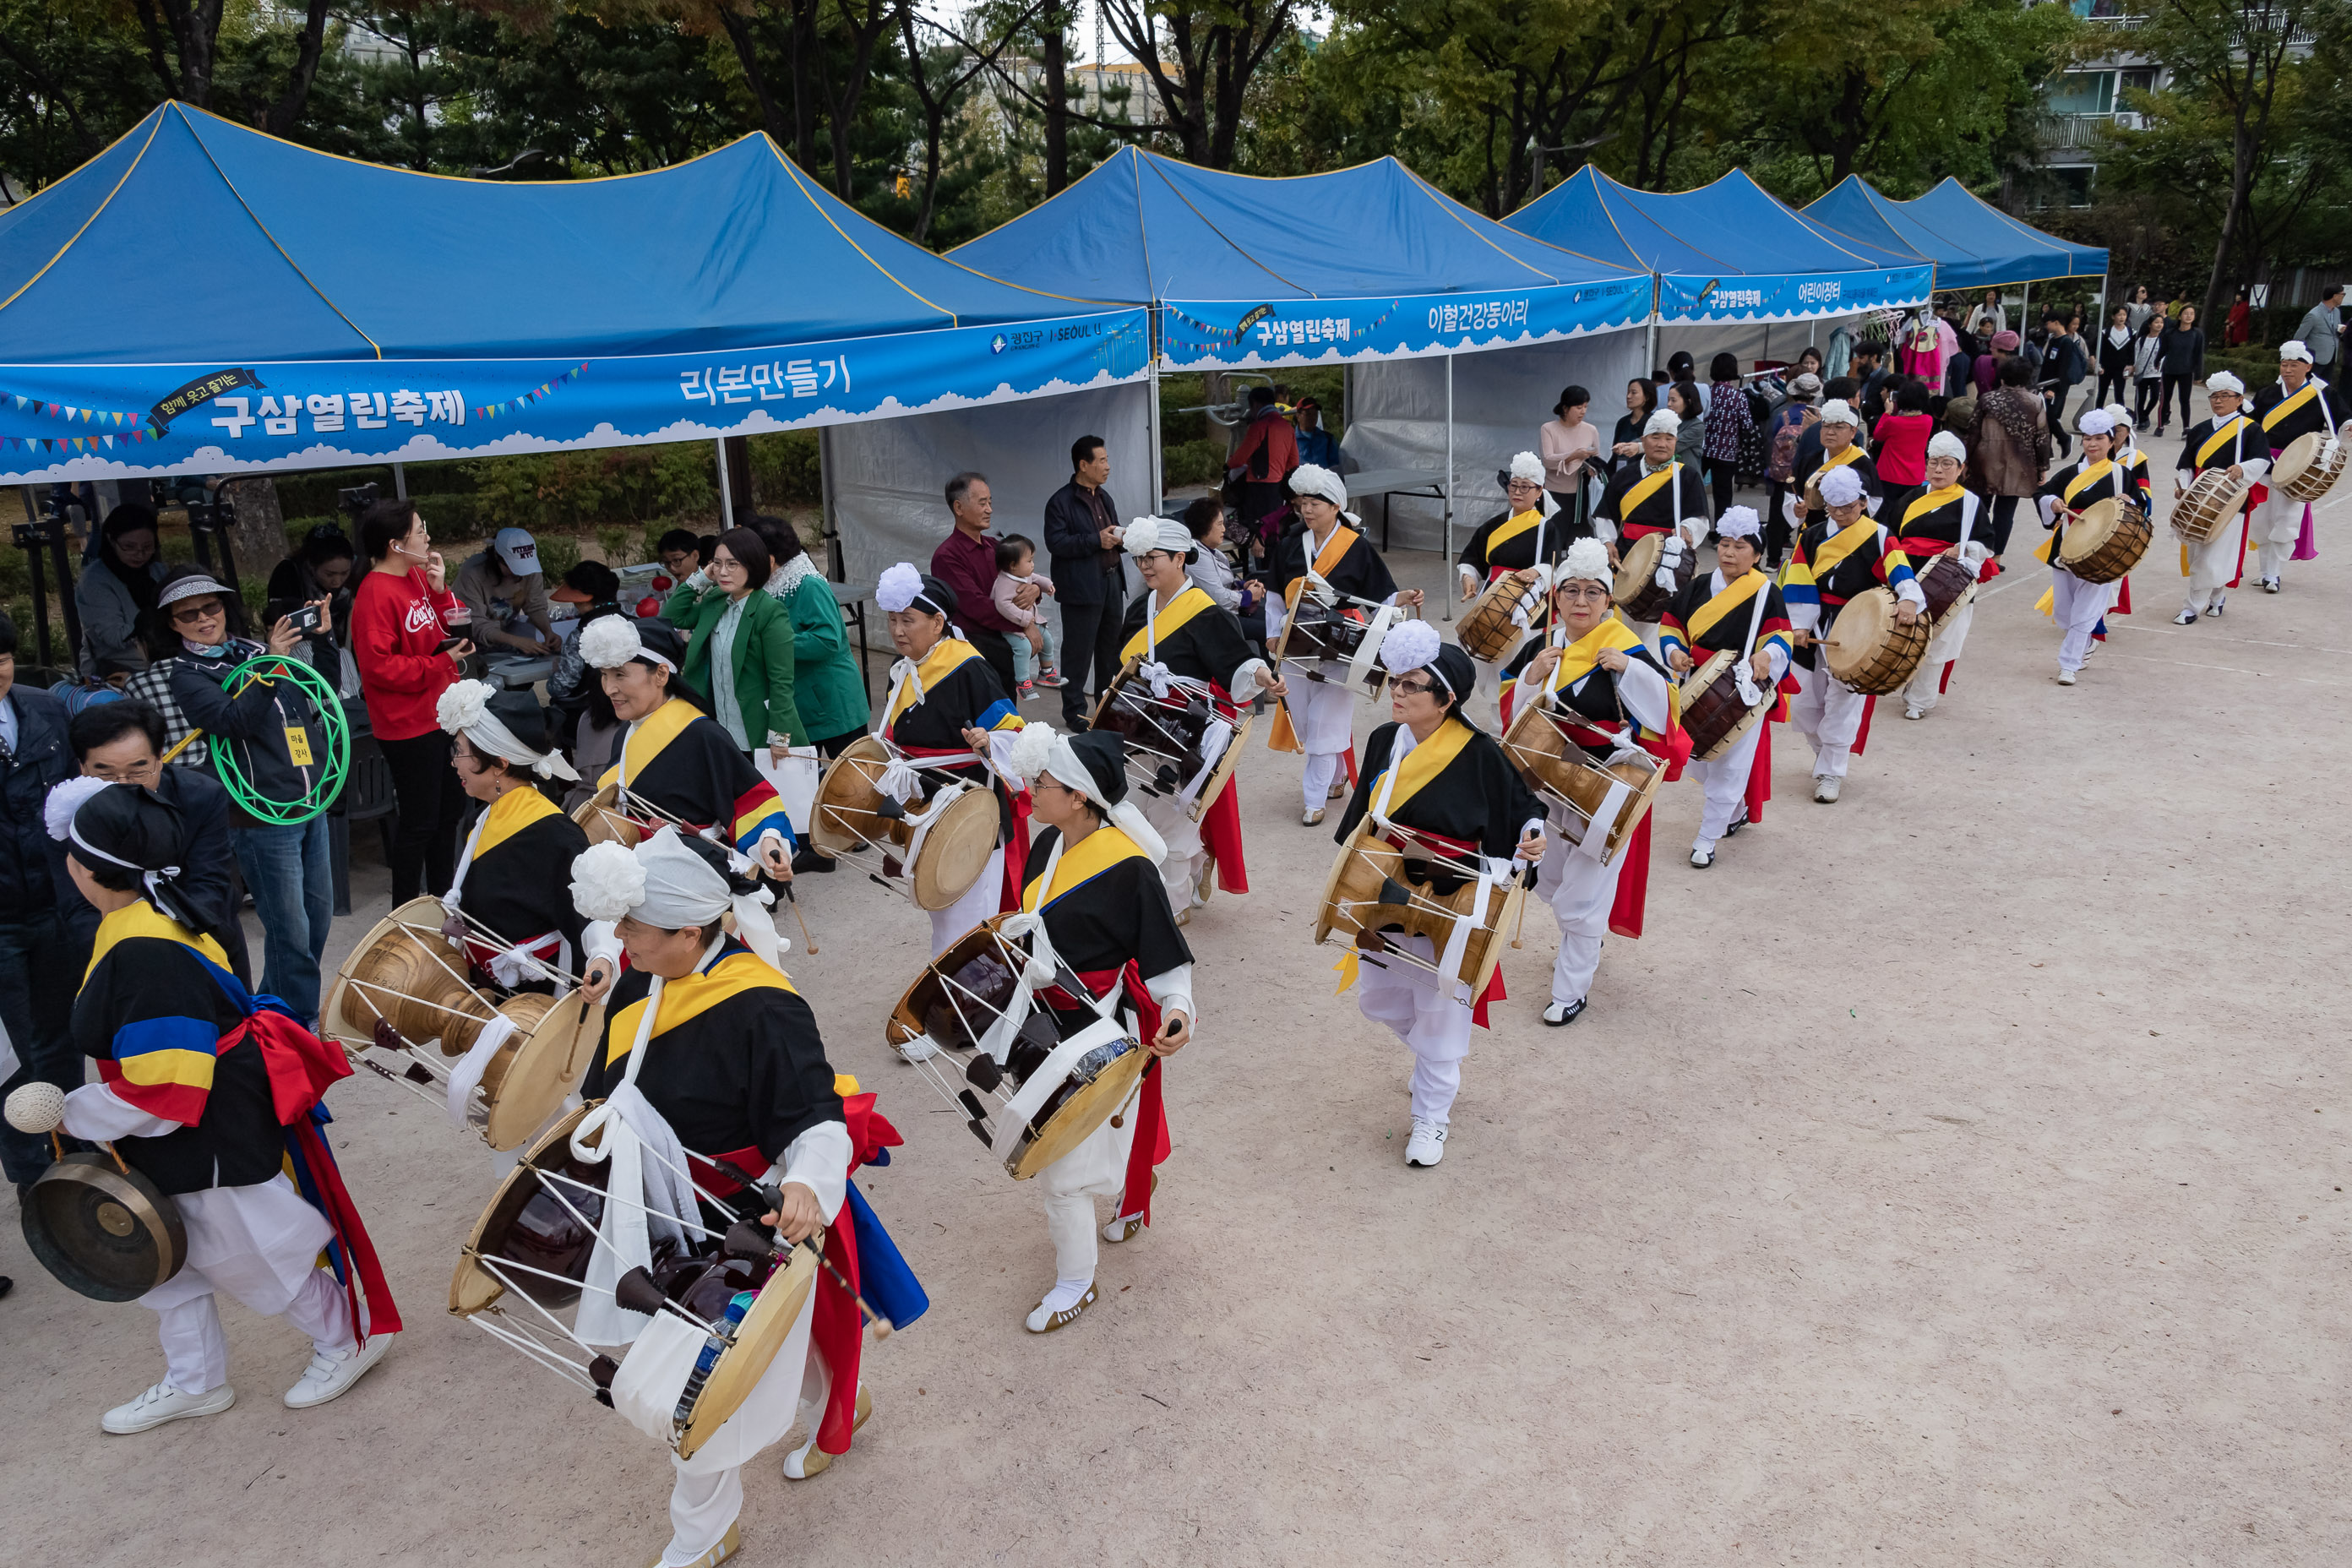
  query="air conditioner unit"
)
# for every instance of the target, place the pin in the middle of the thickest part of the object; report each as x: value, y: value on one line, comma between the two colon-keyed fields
x: 2126, y: 121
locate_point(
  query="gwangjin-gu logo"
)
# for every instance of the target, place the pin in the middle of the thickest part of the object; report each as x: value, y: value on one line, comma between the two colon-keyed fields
x: 996, y: 344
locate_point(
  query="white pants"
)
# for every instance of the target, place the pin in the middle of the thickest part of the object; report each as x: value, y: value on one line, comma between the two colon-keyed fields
x: 1724, y: 781
x: 1411, y: 1002
x: 1324, y: 716
x: 2277, y: 522
x: 1927, y: 686
x: 1096, y: 1168
x: 707, y: 1492
x: 1828, y: 713
x: 2078, y: 606
x: 260, y: 1244
x: 1180, y: 868
x: 985, y: 897
x: 1581, y: 892
x: 2211, y: 566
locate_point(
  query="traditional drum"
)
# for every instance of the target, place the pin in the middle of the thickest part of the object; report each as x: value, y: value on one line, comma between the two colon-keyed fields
x: 1512, y: 606
x: 931, y: 850
x: 405, y: 985
x: 2105, y: 540
x: 101, y: 1229
x: 1949, y: 586
x: 2303, y: 472
x: 1421, y: 889
x: 601, y: 818
x: 1169, y: 738
x: 1637, y: 592
x: 1714, y: 717
x: 2210, y: 504
x: 1869, y: 649
x: 1344, y: 633
x: 1615, y: 796
x: 722, y: 1304
x: 1049, y: 1092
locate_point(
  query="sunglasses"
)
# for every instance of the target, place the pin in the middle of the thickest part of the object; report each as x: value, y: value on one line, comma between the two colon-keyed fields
x: 1412, y: 687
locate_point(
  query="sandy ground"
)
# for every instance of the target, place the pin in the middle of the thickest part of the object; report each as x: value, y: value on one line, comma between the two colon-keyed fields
x: 1955, y: 1174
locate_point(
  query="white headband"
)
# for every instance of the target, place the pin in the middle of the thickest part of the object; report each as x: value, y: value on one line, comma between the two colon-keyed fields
x: 1039, y: 749
x: 1146, y: 534
x: 1314, y: 479
x: 1528, y: 467
x: 2095, y: 422
x: 1664, y: 422
x: 1739, y: 522
x: 1587, y: 558
x: 1841, y: 487
x: 2293, y: 349
x: 1838, y: 411
x: 2222, y: 381
x: 1944, y: 444
x: 464, y: 708
x: 609, y: 642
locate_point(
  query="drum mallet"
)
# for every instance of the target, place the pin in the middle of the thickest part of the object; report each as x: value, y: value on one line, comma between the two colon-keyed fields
x: 745, y: 1239
x: 807, y: 941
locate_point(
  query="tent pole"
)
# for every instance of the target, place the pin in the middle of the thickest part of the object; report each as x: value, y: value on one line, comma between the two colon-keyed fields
x: 1444, y: 597
x: 726, y: 501
x: 2024, y: 312
x: 399, y: 482
x: 1151, y: 429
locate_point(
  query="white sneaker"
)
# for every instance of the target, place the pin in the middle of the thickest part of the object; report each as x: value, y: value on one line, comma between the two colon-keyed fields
x: 1427, y: 1144
x: 331, y: 1373
x: 1312, y: 817
x: 2187, y: 617
x: 2269, y: 584
x: 163, y: 1403
x: 1825, y: 789
x: 1702, y: 857
x: 2066, y: 678
x: 1557, y: 1013
x: 2214, y: 611
x: 1910, y: 713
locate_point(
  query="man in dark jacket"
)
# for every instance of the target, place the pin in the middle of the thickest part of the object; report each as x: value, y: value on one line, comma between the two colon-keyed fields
x: 2066, y: 361
x: 37, y: 975
x: 122, y: 742
x: 1082, y: 532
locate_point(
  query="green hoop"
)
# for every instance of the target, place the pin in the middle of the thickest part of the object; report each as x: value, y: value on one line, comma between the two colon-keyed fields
x: 328, y: 705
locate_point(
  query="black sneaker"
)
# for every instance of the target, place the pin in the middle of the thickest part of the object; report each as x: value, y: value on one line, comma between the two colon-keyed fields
x: 807, y: 860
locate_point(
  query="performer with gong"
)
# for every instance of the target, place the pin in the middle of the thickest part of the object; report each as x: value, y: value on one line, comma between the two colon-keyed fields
x: 519, y: 923
x: 1834, y: 558
x: 709, y: 1049
x: 2093, y: 477
x: 1443, y: 793
x: 198, y: 1078
x: 1328, y: 559
x: 946, y: 713
x: 1734, y: 609
x: 2235, y: 444
x: 1185, y: 648
x: 2297, y: 404
x: 1093, y: 904
x: 1614, y: 697
x: 1925, y: 521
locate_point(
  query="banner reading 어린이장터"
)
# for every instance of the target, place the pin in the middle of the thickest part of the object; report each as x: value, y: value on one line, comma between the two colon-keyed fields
x: 64, y: 422
x: 1306, y: 331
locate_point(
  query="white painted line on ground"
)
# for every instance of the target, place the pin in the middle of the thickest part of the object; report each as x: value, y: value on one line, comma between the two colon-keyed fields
x: 2234, y: 668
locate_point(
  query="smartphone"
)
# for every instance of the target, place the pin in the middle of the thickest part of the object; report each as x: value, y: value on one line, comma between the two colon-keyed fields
x: 306, y: 619
x: 447, y: 643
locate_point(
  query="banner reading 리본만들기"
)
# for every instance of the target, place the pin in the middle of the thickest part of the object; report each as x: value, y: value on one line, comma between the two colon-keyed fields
x: 1689, y: 297
x: 1305, y: 331
x: 65, y: 422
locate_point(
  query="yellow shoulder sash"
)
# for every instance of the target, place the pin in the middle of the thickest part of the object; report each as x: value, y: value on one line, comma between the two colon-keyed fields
x: 1933, y: 501
x: 1578, y: 658
x: 1842, y: 543
x: 1751, y: 584
x: 509, y: 815
x: 2289, y: 405
x: 647, y: 738
x: 2088, y: 477
x: 687, y: 999
x: 947, y: 655
x: 1096, y: 853
x: 1511, y: 529
x: 1425, y: 761
x: 1643, y: 488
x: 143, y: 919
x: 1164, y: 624
x: 2224, y: 433
x: 1326, y: 560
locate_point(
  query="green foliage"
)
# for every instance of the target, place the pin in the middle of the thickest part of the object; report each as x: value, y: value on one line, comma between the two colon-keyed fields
x: 786, y: 470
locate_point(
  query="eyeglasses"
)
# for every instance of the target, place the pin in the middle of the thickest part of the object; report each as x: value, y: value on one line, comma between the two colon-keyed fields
x: 1582, y: 590
x: 144, y: 773
x: 1411, y: 686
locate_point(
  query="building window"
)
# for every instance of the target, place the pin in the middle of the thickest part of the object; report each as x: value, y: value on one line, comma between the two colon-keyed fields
x: 2063, y: 187
x: 2084, y: 92
x: 2136, y: 79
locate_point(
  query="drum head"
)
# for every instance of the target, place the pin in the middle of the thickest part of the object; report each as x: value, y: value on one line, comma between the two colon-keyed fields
x: 536, y: 1071
x: 104, y: 1232
x: 2092, y: 528
x: 417, y: 920
x: 2297, y: 458
x: 1075, y: 1120
x: 1102, y: 704
x: 956, y: 849
x: 1638, y: 566
x: 758, y: 1338
x: 845, y: 795
x: 600, y: 820
x: 1862, y: 626
x: 1505, y: 918
x: 473, y: 1287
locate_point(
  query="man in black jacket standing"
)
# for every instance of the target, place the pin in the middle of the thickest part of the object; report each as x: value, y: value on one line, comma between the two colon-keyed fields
x: 37, y: 976
x: 1082, y: 533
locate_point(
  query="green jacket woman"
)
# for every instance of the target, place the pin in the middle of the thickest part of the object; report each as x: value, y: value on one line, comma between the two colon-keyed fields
x: 827, y: 684
x: 739, y: 650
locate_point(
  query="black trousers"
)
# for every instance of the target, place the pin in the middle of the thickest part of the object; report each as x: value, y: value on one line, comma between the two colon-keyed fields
x: 2115, y: 378
x: 1776, y: 525
x: 2148, y: 387
x: 1725, y: 477
x: 994, y: 648
x: 832, y: 746
x: 1089, y: 643
x: 2004, y: 517
x: 2164, y: 399
x: 424, y: 827
x: 2058, y: 395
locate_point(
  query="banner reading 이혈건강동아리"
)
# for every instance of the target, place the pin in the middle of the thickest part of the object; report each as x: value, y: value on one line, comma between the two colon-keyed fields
x: 61, y: 422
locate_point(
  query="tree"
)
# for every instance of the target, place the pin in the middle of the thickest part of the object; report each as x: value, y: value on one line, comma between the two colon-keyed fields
x: 1202, y: 70
x: 939, y: 79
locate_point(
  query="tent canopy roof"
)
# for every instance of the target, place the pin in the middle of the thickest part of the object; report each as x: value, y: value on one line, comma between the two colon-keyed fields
x: 196, y: 240
x: 1973, y: 243
x: 1733, y: 226
x: 1142, y: 229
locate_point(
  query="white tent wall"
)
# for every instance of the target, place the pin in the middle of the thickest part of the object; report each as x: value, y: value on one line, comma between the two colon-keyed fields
x: 884, y: 476
x: 1396, y: 418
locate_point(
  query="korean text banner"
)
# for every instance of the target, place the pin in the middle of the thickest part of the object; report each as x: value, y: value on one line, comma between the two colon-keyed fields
x: 1790, y: 296
x: 59, y: 422
x: 1306, y: 331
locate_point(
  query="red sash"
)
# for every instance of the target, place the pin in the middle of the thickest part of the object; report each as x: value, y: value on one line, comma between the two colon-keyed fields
x: 1221, y: 824
x: 1151, y: 1146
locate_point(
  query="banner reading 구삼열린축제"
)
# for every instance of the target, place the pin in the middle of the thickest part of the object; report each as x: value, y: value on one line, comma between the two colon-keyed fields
x: 67, y: 422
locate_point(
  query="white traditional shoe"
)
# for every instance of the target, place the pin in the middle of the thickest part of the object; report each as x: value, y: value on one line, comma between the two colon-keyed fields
x: 331, y: 1373
x: 2066, y: 678
x: 1041, y: 1321
x: 163, y: 1403
x: 2187, y: 617
x: 1825, y: 789
x: 1339, y: 788
x: 1183, y: 917
x: 2214, y: 610
x: 1702, y: 857
x: 1911, y: 712
x: 2269, y: 584
x: 1311, y: 819
x: 808, y: 1459
x: 1557, y: 1013
x: 729, y: 1544
x: 918, y: 1048
x: 1427, y: 1144
x: 1737, y: 822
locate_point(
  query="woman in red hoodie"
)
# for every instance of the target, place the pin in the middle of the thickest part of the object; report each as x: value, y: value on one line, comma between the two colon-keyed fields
x: 407, y: 651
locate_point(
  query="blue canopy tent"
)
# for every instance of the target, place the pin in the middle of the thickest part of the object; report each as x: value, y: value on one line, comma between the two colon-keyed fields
x: 1727, y: 254
x: 202, y: 298
x: 1366, y: 264
x: 1973, y: 243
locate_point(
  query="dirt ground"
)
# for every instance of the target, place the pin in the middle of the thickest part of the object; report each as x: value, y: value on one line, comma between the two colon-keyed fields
x: 1955, y: 1174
